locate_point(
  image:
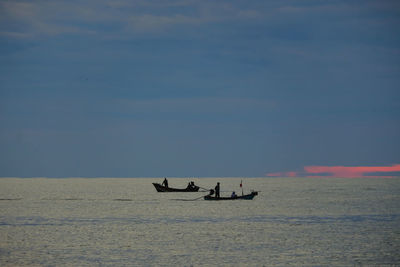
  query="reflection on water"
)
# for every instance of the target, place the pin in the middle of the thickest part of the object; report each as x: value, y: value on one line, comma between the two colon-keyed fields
x: 126, y: 222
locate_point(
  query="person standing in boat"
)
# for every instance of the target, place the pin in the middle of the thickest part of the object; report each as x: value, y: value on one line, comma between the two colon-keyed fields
x: 165, y: 182
x: 217, y: 190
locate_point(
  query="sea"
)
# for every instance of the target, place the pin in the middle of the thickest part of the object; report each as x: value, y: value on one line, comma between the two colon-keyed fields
x: 125, y: 222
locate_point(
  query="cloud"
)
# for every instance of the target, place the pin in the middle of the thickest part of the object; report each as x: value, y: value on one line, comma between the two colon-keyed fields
x: 27, y: 20
x: 359, y: 171
x: 340, y: 171
x: 123, y: 17
x: 41, y: 18
x: 57, y: 17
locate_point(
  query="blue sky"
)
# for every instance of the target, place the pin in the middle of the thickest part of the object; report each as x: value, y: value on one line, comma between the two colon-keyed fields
x: 197, y: 88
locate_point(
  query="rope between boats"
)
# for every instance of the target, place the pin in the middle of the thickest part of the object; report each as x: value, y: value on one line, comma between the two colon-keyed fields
x: 204, y: 188
x: 188, y: 199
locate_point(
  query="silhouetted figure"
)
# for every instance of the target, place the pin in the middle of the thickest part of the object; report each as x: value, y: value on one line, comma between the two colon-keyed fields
x: 165, y: 182
x: 191, y: 186
x: 217, y: 190
x: 233, y: 195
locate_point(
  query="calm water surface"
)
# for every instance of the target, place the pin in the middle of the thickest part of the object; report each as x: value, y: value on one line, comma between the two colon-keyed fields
x: 125, y: 222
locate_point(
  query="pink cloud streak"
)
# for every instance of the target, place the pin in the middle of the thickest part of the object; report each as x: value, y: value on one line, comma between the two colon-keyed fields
x: 339, y: 171
x: 360, y: 171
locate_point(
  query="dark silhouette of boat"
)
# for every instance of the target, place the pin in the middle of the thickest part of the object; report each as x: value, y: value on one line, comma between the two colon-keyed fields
x: 248, y: 197
x: 161, y: 188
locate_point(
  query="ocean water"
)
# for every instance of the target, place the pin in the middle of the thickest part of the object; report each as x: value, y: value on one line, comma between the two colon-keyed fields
x: 125, y: 222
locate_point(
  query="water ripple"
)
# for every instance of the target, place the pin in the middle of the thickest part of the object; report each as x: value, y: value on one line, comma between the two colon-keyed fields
x: 292, y: 220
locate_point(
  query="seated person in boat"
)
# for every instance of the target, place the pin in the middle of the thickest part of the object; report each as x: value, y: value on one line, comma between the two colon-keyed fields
x: 165, y: 182
x: 191, y: 185
x: 233, y: 195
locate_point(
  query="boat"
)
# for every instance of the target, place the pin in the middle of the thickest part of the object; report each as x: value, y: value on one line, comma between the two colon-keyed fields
x: 161, y: 188
x: 248, y: 197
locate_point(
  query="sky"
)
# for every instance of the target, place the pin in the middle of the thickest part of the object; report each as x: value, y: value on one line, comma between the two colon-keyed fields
x: 186, y: 88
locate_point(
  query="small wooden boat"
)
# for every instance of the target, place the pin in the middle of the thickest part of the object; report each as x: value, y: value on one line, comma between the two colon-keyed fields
x: 161, y: 188
x: 248, y: 196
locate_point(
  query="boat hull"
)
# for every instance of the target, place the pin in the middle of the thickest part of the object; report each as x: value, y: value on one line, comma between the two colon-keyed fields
x: 161, y: 188
x: 245, y: 197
